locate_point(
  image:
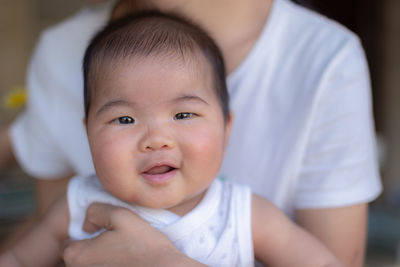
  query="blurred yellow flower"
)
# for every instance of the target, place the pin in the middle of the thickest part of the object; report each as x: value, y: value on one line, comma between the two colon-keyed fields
x: 16, y: 98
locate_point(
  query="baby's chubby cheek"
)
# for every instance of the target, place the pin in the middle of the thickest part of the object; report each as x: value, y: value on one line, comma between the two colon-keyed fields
x: 207, y: 149
x: 108, y: 155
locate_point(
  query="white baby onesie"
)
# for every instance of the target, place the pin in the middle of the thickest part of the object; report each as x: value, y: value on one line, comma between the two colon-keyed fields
x: 217, y: 232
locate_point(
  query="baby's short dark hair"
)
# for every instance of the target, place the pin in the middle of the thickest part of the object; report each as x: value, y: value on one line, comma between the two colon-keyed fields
x: 152, y: 33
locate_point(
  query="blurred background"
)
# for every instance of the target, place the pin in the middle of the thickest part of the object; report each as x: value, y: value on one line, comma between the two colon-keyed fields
x: 377, y: 23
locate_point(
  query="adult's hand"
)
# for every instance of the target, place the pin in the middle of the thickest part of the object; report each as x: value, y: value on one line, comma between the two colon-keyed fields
x: 127, y: 241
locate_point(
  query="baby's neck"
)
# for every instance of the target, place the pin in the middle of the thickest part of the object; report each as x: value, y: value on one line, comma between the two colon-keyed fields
x: 188, y: 205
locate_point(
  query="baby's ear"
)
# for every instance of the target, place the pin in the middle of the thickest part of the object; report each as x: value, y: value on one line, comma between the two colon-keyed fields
x: 228, y: 127
x: 84, y: 121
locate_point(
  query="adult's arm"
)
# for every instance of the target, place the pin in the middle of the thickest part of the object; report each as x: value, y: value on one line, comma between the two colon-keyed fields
x: 47, y: 192
x: 276, y: 239
x: 129, y: 240
x: 343, y: 230
x: 42, y: 245
x: 6, y: 153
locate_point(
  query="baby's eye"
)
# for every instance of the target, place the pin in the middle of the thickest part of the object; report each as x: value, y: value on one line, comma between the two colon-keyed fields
x: 183, y: 116
x: 124, y: 120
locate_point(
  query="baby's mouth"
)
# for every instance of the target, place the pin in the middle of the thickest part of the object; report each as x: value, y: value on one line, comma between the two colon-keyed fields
x: 159, y: 174
x: 159, y: 170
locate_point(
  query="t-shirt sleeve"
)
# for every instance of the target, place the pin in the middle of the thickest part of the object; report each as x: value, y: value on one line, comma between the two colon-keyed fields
x: 32, y: 136
x: 340, y: 163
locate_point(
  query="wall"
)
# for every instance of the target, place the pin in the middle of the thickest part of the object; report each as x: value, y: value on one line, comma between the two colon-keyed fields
x: 20, y: 24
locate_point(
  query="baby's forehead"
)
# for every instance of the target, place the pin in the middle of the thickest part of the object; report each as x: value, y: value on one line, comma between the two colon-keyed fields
x: 195, y: 63
x: 146, y: 69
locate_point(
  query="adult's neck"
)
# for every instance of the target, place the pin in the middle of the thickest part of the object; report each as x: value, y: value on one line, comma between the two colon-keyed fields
x: 234, y: 24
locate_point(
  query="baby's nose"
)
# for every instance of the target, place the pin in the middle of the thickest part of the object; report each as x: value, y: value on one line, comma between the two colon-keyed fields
x: 156, y: 138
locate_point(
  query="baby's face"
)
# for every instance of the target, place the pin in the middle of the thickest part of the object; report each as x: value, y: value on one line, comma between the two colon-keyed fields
x: 157, y: 133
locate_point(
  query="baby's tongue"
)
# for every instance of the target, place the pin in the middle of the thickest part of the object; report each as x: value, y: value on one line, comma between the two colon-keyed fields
x: 159, y: 170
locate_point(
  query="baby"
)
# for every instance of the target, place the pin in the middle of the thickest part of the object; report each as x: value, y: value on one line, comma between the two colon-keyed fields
x: 158, y: 122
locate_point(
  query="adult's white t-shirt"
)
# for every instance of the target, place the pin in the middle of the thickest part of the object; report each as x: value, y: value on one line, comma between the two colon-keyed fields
x: 303, y: 133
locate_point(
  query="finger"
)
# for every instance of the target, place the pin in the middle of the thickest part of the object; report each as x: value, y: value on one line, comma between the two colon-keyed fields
x: 106, y: 216
x: 84, y: 252
x: 98, y: 217
x: 73, y: 251
x: 66, y: 244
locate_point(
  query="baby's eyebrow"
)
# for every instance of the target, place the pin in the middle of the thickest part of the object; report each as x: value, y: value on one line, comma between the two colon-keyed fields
x: 189, y: 98
x: 121, y: 102
x: 113, y: 103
